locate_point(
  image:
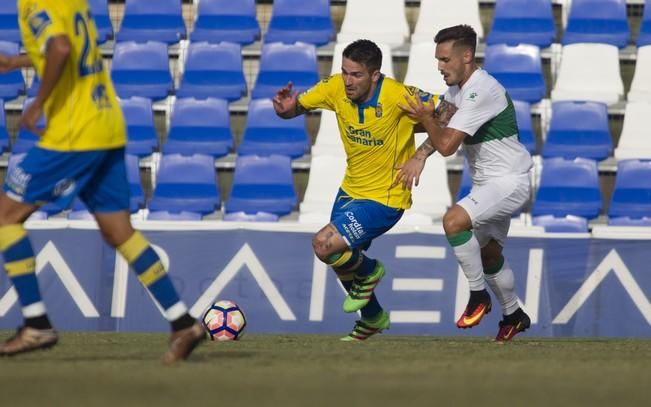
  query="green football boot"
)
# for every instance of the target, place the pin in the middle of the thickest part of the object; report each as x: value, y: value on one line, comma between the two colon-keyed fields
x: 362, y: 290
x: 365, y: 328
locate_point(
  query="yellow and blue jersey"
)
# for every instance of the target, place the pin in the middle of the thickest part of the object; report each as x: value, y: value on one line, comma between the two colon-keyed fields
x: 82, y: 112
x: 377, y: 136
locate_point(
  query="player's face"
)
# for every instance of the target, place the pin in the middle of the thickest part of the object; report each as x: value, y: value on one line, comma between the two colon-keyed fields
x: 451, y: 62
x: 358, y: 79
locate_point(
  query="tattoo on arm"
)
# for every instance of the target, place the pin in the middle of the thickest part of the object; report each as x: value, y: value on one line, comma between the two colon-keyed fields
x: 425, y: 150
x: 299, y: 109
x: 444, y: 112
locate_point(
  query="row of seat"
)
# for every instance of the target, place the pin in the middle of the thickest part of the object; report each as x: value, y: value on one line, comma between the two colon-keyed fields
x: 514, y: 21
x: 568, y: 194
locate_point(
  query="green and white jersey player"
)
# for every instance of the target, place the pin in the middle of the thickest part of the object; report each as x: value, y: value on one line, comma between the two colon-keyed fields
x: 478, y: 113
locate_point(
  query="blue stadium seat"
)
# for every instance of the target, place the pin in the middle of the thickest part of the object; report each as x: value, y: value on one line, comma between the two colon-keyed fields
x: 25, y: 139
x: 199, y: 127
x: 597, y: 21
x: 262, y: 184
x: 281, y: 63
x: 632, y: 193
x: 137, y: 197
x: 578, y: 129
x: 246, y: 217
x: 226, y: 20
x: 4, y: 135
x: 12, y: 83
x: 518, y: 69
x: 568, y: 187
x: 525, y: 125
x: 644, y: 35
x: 9, y: 30
x: 628, y: 221
x: 186, y: 184
x: 139, y: 117
x: 567, y: 224
x: 267, y: 134
x: 146, y: 20
x: 522, y: 22
x: 141, y: 70
x: 174, y: 216
x: 100, y: 12
x: 213, y: 70
x: 300, y: 20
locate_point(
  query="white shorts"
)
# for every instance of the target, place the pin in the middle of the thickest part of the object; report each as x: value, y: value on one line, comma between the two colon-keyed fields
x: 490, y: 206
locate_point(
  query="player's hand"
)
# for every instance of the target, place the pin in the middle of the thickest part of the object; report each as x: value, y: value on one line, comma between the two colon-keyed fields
x: 285, y: 100
x: 417, y: 110
x: 409, y: 173
x: 30, y: 117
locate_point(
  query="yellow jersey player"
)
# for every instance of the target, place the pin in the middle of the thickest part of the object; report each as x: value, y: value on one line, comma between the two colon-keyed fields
x: 377, y: 137
x: 80, y: 153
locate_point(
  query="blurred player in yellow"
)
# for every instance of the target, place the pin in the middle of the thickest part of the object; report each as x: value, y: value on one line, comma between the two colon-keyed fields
x: 80, y: 153
x: 378, y: 137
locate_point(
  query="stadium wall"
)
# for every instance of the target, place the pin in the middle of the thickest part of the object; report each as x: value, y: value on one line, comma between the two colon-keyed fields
x: 571, y: 285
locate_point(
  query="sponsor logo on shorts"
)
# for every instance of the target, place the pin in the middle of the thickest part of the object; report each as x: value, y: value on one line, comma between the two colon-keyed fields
x: 18, y: 180
x: 354, y: 229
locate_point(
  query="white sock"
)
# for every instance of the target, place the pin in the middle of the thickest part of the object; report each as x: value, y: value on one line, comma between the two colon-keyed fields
x: 501, y: 283
x: 469, y: 257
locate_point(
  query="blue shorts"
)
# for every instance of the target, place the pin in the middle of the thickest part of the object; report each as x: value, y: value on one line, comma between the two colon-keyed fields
x: 359, y: 221
x: 99, y: 177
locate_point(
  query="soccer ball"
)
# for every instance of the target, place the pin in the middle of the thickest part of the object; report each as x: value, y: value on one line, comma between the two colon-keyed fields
x: 224, y: 321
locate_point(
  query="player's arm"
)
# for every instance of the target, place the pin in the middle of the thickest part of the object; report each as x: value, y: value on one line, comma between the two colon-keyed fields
x: 409, y: 172
x: 10, y: 63
x: 286, y: 103
x: 56, y: 55
x: 443, y: 139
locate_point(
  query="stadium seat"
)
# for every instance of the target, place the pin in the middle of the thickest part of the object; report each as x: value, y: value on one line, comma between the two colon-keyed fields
x: 262, y: 184
x: 568, y: 187
x: 226, y: 20
x: 4, y: 135
x: 267, y: 134
x: 627, y: 221
x: 578, y: 129
x: 199, y: 127
x: 635, y: 140
x: 387, y: 59
x: 432, y: 195
x: 518, y: 69
x: 9, y: 30
x: 139, y: 118
x: 566, y: 224
x: 174, y: 216
x: 326, y: 174
x: 601, y: 83
x: 422, y: 69
x: 644, y: 35
x: 250, y: 217
x: 641, y: 84
x: 145, y: 20
x: 282, y: 63
x: 364, y: 19
x: 12, y: 83
x: 79, y: 211
x: 25, y: 139
x: 141, y: 70
x: 522, y: 22
x: 597, y: 21
x: 328, y: 140
x: 435, y: 15
x: 632, y: 193
x: 525, y: 125
x: 213, y: 70
x: 300, y: 20
x: 185, y: 183
x: 102, y: 18
x: 137, y: 197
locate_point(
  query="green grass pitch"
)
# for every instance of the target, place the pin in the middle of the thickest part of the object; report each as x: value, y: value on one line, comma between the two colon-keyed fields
x: 109, y: 369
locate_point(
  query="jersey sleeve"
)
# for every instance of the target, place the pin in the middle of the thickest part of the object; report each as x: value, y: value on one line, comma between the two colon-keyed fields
x: 425, y: 97
x: 42, y: 20
x: 475, y: 109
x: 320, y: 96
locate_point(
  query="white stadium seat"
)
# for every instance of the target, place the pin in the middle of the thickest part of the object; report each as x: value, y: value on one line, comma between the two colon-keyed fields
x: 635, y: 141
x: 435, y: 15
x: 422, y: 69
x: 641, y: 85
x: 383, y: 21
x: 326, y: 175
x: 328, y: 139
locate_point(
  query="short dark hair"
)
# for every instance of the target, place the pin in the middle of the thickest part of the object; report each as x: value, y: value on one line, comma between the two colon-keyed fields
x: 364, y: 52
x: 463, y: 35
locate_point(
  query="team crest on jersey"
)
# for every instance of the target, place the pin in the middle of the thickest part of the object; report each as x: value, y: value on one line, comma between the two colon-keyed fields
x: 472, y: 97
x: 378, y: 110
x: 38, y: 22
x: 100, y: 98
